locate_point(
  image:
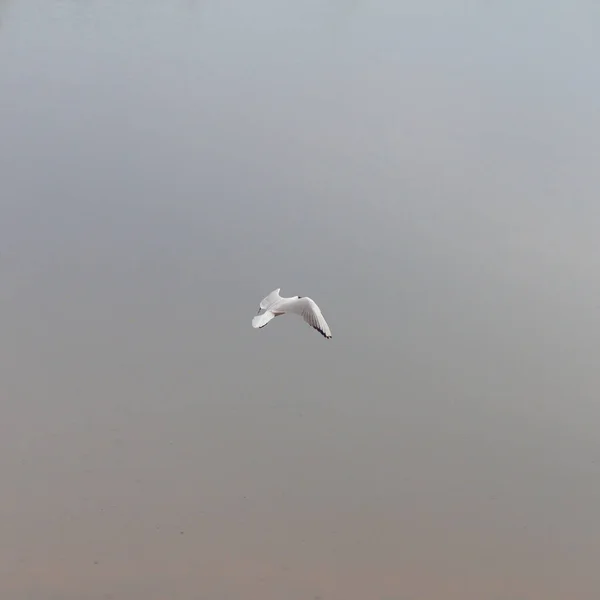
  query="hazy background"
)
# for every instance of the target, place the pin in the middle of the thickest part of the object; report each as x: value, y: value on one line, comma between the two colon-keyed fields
x: 427, y: 172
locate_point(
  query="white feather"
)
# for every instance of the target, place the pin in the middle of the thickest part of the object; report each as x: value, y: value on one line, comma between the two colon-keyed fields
x: 270, y: 299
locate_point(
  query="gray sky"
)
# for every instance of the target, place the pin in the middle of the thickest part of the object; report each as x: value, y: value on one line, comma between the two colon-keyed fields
x: 427, y: 173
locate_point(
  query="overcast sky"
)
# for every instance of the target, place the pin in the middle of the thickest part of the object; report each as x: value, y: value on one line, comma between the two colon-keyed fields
x: 427, y: 172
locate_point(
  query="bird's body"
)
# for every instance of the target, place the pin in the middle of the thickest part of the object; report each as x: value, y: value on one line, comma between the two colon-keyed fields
x: 274, y: 305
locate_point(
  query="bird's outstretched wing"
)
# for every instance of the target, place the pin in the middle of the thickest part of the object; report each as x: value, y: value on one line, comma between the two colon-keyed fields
x: 311, y: 313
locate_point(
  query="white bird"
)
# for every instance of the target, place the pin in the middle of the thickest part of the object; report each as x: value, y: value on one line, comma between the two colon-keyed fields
x: 274, y: 305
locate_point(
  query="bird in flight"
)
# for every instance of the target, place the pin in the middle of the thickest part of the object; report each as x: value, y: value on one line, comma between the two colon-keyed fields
x: 274, y: 305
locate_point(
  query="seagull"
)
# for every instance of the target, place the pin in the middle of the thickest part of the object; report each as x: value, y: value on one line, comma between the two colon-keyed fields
x: 274, y: 305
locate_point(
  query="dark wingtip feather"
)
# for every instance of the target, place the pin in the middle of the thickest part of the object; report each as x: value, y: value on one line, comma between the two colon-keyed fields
x: 328, y: 337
